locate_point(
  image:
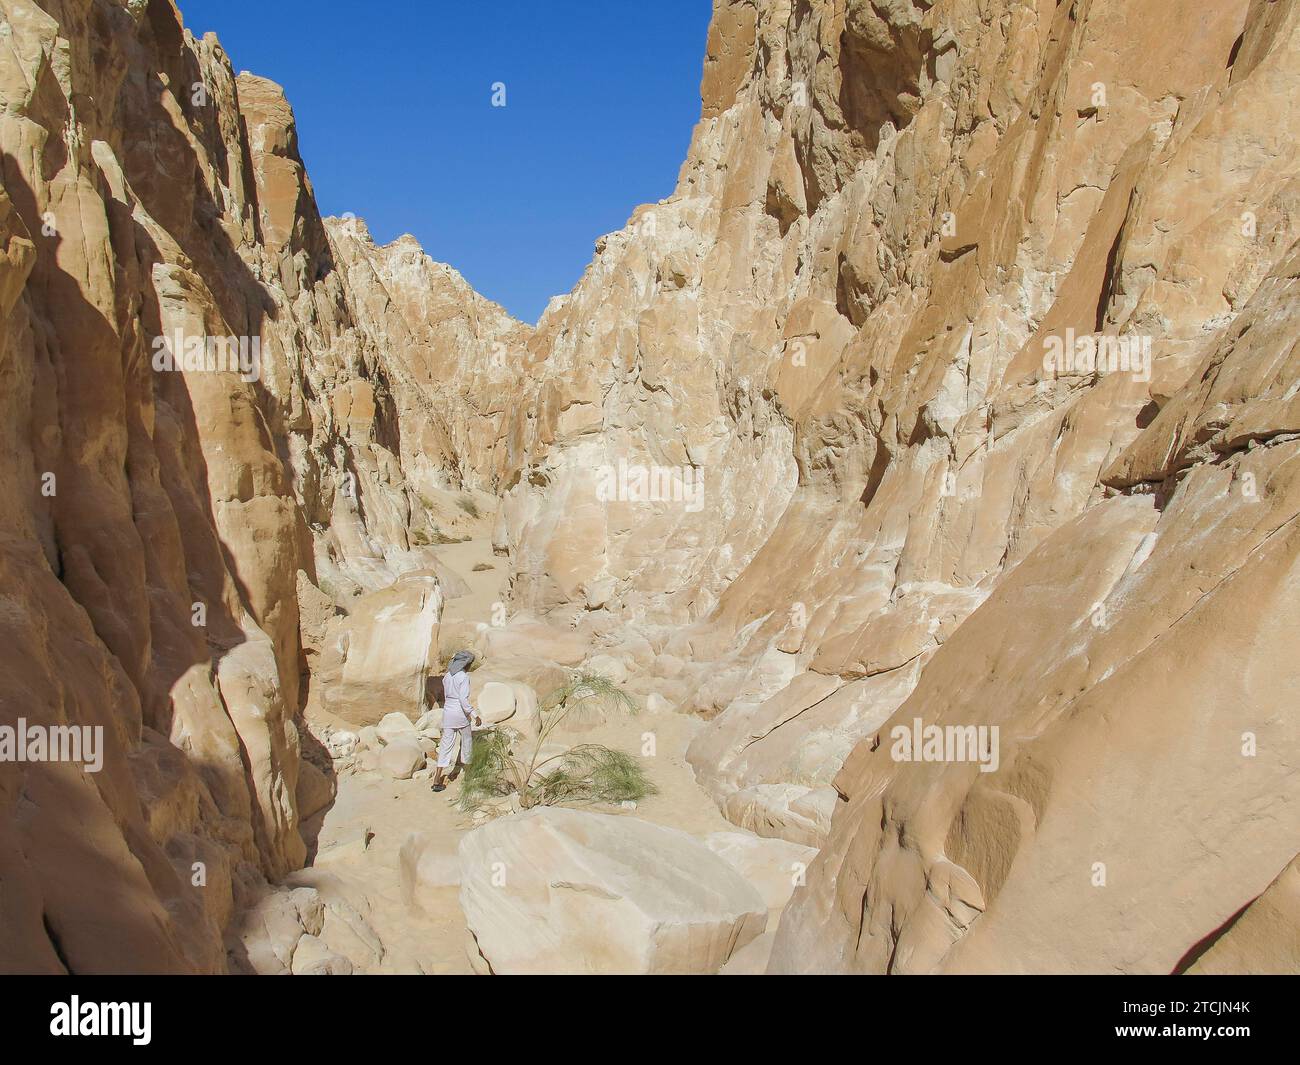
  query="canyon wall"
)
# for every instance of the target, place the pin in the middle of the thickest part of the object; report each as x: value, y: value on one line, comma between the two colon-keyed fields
x: 164, y: 521
x: 954, y: 388
x: 974, y: 325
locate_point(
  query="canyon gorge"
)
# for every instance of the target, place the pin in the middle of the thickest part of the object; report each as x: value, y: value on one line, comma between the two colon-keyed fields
x: 956, y: 387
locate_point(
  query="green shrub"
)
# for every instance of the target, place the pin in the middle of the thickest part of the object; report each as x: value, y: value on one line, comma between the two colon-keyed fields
x: 504, y: 764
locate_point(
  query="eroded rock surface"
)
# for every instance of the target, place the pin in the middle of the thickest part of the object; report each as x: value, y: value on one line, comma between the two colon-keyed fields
x: 956, y: 382
x: 565, y: 891
x: 956, y: 386
x: 180, y: 546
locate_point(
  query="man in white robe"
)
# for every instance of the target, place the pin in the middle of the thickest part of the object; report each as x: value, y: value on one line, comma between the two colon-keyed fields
x: 457, y: 714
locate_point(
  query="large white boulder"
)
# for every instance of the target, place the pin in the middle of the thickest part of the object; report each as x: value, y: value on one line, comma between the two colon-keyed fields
x: 393, y: 725
x: 380, y: 653
x: 495, y: 702
x: 402, y: 757
x: 565, y: 891
x: 607, y: 666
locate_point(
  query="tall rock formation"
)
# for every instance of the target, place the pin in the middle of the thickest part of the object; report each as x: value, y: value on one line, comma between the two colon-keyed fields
x: 163, y: 520
x: 953, y: 396
x: 975, y: 324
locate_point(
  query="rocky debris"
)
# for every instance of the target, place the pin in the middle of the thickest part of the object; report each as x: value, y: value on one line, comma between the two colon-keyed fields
x: 268, y: 932
x: 345, y: 931
x: 565, y: 891
x: 342, y: 743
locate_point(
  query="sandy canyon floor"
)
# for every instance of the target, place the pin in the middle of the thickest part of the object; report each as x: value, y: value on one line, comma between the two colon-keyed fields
x: 360, y: 836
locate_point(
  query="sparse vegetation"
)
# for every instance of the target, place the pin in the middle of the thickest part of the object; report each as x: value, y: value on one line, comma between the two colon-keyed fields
x: 504, y: 763
x: 433, y: 537
x: 467, y: 504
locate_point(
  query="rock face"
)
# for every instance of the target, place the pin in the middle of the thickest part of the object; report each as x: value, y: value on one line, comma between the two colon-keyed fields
x: 563, y: 891
x: 208, y: 451
x: 380, y: 653
x: 937, y: 441
x: 956, y: 385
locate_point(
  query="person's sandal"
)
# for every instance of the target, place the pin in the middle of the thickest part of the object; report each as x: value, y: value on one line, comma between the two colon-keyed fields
x: 440, y: 787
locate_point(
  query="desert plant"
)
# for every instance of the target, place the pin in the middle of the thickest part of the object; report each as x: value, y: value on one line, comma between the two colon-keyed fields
x: 435, y: 537
x: 467, y: 504
x: 504, y: 763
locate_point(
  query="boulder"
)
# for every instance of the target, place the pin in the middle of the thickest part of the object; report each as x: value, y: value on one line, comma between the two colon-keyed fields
x: 657, y: 704
x: 265, y: 938
x: 402, y: 757
x: 495, y: 702
x: 342, y: 743
x: 380, y: 653
x: 528, y: 638
x: 393, y: 725
x: 565, y: 891
x: 774, y: 866
x: 786, y: 811
x: 607, y: 666
x: 313, y: 958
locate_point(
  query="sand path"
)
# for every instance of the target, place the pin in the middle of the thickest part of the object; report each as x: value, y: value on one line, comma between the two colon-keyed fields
x: 362, y: 832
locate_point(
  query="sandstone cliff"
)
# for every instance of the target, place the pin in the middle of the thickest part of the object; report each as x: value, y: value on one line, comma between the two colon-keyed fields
x: 955, y: 387
x: 162, y: 524
x: 847, y: 325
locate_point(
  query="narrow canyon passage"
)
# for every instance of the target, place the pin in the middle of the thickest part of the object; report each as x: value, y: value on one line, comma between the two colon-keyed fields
x: 381, y: 890
x: 890, y: 545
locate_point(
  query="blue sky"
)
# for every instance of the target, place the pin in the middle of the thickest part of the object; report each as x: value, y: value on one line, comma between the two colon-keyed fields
x: 393, y: 101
